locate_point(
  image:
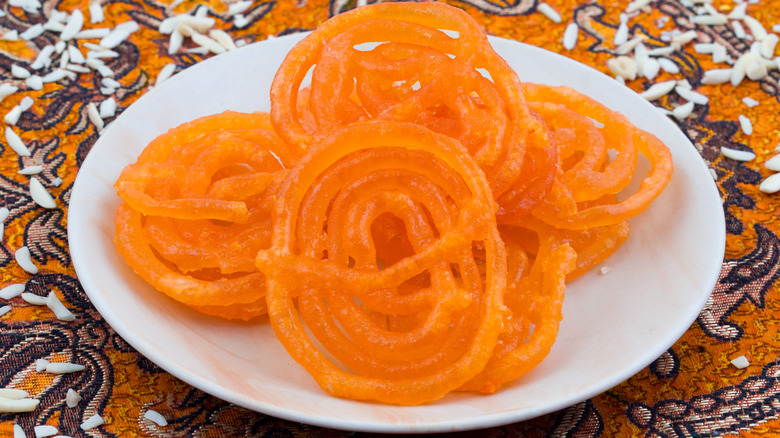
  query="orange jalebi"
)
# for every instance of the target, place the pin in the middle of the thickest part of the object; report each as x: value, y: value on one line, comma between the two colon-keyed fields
x: 174, y: 194
x: 583, y: 195
x: 433, y: 66
x: 413, y: 327
x: 410, y: 230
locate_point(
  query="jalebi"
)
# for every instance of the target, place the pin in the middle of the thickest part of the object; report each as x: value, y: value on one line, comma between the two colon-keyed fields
x: 583, y: 196
x: 170, y: 227
x: 433, y: 66
x: 416, y: 325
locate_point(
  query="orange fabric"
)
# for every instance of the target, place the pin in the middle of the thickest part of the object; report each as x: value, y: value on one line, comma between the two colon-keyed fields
x: 740, y: 319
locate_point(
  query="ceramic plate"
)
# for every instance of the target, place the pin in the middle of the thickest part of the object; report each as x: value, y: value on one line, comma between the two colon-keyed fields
x: 614, y: 325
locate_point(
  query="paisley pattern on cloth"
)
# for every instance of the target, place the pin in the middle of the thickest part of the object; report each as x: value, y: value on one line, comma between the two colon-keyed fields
x: 691, y: 390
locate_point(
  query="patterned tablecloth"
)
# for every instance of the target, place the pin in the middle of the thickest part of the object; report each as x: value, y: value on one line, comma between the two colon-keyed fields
x: 691, y: 390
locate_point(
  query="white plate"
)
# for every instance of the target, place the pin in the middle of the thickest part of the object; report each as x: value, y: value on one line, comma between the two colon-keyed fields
x: 614, y: 325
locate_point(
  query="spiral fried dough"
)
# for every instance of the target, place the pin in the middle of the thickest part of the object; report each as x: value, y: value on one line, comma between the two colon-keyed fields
x: 177, y: 226
x: 410, y: 330
x: 582, y: 196
x: 431, y: 65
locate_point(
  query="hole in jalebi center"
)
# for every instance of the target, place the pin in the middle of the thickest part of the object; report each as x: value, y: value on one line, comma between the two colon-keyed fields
x: 391, y: 240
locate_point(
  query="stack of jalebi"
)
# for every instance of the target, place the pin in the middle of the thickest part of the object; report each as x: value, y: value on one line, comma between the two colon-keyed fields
x: 412, y: 228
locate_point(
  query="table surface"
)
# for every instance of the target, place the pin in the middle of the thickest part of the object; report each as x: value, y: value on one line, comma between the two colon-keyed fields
x: 691, y: 390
